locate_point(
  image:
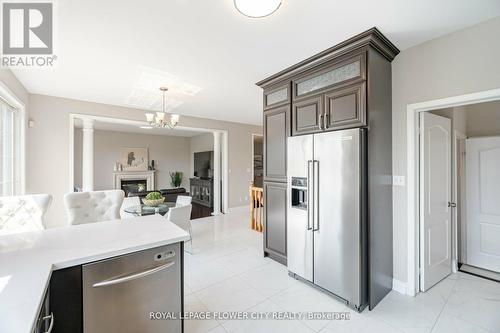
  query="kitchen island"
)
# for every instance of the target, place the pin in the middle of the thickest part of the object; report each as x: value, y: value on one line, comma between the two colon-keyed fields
x: 28, y: 260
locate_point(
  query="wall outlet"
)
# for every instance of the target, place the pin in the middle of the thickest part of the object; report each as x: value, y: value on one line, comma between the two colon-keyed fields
x: 398, y: 180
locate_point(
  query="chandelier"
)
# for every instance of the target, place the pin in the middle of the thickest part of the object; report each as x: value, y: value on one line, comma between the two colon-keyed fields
x: 159, y: 120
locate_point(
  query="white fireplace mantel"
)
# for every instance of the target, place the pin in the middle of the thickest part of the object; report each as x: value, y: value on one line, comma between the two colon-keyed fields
x: 149, y: 176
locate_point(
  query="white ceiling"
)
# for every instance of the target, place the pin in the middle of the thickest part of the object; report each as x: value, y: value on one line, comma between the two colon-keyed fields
x: 120, y: 51
x: 128, y: 128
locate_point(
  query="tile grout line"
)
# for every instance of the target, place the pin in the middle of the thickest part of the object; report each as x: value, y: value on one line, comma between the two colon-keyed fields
x: 442, y: 309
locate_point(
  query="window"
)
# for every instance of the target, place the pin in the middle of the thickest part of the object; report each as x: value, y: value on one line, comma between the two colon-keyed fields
x: 10, y: 150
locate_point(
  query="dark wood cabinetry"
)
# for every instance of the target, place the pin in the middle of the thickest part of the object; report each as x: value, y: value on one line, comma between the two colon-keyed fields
x: 332, y: 97
x: 277, y: 95
x: 66, y: 302
x: 307, y: 115
x: 345, y: 86
x: 275, y: 221
x: 345, y: 107
x: 201, y: 190
x: 276, y: 131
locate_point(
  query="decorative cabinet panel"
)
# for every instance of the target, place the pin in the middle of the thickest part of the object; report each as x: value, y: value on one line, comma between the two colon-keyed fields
x: 277, y: 96
x: 345, y: 108
x: 332, y: 74
x: 276, y: 131
x: 307, y: 115
x: 336, y: 109
x: 275, y: 220
x: 201, y: 191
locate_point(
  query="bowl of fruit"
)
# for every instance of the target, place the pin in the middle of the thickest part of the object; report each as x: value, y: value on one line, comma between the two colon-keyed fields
x: 153, y: 199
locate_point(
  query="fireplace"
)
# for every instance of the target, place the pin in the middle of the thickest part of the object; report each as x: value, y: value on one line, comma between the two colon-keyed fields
x: 134, y: 181
x: 134, y: 185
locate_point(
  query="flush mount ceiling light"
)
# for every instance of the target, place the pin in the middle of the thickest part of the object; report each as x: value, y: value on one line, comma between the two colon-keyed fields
x: 257, y: 8
x: 159, y: 120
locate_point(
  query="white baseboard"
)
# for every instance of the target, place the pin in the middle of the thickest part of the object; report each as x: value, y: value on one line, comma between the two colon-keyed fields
x: 399, y: 286
x: 245, y: 208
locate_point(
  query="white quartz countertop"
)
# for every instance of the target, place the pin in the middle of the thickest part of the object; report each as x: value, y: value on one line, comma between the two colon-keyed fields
x: 27, y: 260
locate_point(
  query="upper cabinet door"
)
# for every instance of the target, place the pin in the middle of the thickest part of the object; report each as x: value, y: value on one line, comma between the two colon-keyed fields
x: 337, y: 73
x: 307, y: 116
x: 276, y: 132
x: 276, y: 96
x: 345, y: 107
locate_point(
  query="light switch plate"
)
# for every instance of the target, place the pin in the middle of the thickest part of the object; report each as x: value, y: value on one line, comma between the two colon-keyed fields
x: 398, y: 180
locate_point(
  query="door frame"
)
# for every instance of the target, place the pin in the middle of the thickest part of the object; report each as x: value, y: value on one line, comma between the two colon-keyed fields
x: 224, y: 149
x: 457, y: 137
x: 412, y: 171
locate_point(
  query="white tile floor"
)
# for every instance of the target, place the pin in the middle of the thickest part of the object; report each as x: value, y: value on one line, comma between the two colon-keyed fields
x: 227, y: 272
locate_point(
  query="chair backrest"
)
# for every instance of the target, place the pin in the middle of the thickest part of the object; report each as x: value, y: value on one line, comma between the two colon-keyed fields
x: 180, y: 215
x: 183, y: 200
x: 129, y: 202
x: 23, y: 213
x: 96, y: 206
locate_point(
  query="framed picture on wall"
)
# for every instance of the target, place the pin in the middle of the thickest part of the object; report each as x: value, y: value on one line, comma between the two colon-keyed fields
x: 134, y: 159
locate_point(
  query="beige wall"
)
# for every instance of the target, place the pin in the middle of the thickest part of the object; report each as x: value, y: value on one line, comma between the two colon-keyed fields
x: 170, y: 153
x: 483, y: 119
x: 48, y: 147
x: 463, y: 62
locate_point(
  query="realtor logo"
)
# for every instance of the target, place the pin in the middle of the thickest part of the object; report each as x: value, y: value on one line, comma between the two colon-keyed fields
x: 27, y: 28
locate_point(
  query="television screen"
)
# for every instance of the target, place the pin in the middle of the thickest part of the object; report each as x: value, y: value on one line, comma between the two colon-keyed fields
x: 203, y: 164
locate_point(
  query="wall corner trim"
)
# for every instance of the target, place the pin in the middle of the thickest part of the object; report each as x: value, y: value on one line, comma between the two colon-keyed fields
x: 399, y: 286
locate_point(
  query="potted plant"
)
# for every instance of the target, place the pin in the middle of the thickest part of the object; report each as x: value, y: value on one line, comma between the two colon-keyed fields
x: 176, y: 178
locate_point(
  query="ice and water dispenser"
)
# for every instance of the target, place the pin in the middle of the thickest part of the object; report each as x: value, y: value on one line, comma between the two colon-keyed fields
x: 299, y: 192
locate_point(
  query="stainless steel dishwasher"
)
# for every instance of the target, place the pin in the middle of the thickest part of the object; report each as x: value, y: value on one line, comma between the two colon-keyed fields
x: 120, y: 293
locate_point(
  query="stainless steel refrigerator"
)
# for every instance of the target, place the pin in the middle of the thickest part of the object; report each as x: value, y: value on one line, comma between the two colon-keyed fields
x: 326, y: 209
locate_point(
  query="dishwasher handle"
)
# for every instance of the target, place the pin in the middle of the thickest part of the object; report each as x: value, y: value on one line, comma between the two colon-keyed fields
x: 133, y: 276
x: 51, y: 324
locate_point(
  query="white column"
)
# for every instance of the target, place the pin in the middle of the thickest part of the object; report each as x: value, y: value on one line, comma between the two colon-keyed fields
x: 225, y: 173
x: 88, y: 155
x: 217, y: 145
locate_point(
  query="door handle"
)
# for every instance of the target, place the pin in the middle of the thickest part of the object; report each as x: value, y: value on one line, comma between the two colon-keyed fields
x: 310, y: 215
x: 51, y: 325
x: 316, y: 195
x: 133, y: 276
x: 452, y: 204
x: 327, y: 121
x: 320, y: 125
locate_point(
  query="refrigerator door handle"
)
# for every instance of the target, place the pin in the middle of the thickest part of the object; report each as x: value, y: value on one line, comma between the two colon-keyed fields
x: 310, y: 200
x: 316, y: 195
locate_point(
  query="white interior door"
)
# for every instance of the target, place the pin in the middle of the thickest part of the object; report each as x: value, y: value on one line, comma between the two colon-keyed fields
x: 435, y: 195
x: 483, y: 203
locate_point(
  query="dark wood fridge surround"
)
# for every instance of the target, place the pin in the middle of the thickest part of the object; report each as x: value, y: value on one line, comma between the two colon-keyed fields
x: 357, y: 96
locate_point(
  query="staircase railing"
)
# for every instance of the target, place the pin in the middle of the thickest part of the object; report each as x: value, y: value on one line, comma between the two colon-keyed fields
x: 256, y: 208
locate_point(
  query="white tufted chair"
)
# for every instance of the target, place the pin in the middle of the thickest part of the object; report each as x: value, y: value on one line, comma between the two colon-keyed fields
x: 23, y: 213
x: 96, y: 206
x: 183, y: 200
